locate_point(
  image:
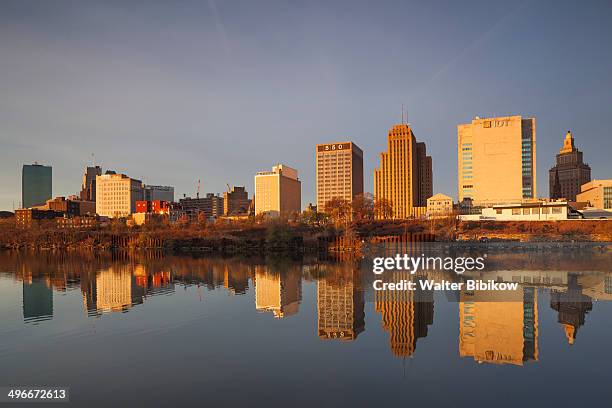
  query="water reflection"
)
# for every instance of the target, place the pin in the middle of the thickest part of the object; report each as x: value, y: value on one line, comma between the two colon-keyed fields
x: 494, y: 328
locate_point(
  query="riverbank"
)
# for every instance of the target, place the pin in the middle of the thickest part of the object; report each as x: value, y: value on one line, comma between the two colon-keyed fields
x: 277, y: 236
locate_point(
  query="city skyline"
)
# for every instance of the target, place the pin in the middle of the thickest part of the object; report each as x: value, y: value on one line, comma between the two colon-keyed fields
x: 200, y: 86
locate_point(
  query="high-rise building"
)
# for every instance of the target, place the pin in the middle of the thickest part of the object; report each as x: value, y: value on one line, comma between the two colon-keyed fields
x: 278, y: 192
x: 116, y: 195
x: 159, y: 193
x: 339, y: 172
x: 236, y: 201
x: 280, y: 293
x: 425, y: 174
x: 404, y: 177
x: 88, y: 189
x: 405, y: 314
x: 36, y: 185
x: 37, y: 301
x: 598, y: 193
x: 340, y: 305
x: 569, y: 173
x: 497, y: 160
x: 499, y: 328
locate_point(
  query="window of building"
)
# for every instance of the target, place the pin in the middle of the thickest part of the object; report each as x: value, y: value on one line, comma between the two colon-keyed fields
x: 525, y: 211
x: 535, y: 211
x: 545, y: 210
x: 556, y: 210
x: 516, y: 211
x: 498, y: 211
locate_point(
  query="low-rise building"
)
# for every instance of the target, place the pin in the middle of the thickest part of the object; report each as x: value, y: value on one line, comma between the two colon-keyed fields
x: 439, y: 205
x: 153, y: 207
x: 529, y: 211
x: 211, y: 206
x: 70, y: 208
x: 26, y: 217
x: 598, y: 193
x: 236, y: 201
x: 77, y: 222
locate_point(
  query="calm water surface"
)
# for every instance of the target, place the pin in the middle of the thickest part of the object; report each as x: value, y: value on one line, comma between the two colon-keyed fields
x: 157, y: 330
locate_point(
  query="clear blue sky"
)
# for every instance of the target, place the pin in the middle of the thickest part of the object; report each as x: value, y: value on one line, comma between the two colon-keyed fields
x: 173, y: 92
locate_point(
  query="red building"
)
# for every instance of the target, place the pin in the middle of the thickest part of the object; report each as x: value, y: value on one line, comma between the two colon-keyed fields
x: 154, y: 207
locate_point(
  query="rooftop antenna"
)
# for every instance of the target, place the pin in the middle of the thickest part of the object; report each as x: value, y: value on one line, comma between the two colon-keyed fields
x: 402, y: 113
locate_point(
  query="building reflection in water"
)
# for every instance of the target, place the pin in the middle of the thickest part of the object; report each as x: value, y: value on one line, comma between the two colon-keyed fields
x: 499, y: 331
x: 405, y: 314
x: 37, y: 300
x: 278, y: 292
x: 572, y: 306
x: 340, y: 302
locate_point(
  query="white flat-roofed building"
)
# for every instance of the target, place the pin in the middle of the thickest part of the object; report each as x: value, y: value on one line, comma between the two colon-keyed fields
x: 116, y: 195
x: 530, y: 211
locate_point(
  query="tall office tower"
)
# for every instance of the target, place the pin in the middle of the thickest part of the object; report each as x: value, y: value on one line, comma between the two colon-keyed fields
x: 278, y: 192
x: 405, y: 314
x: 280, y: 293
x: 569, y: 173
x: 497, y: 160
x: 36, y: 185
x: 340, y: 304
x: 116, y: 195
x: 339, y: 172
x: 236, y: 201
x: 499, y: 328
x: 425, y: 174
x: 402, y: 176
x: 37, y: 300
x: 159, y: 193
x: 88, y: 189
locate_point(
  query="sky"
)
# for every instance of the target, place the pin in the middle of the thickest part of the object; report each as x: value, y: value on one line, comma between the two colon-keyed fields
x: 217, y: 90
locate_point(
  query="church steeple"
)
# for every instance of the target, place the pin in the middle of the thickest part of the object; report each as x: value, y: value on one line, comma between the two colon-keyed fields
x: 568, y: 143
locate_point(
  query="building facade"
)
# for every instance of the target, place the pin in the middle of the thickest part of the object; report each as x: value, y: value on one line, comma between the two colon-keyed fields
x: 439, y: 205
x: 569, y: 173
x: 236, y: 202
x: 88, y: 188
x: 116, y: 195
x: 211, y: 206
x: 598, y: 193
x: 531, y: 211
x: 278, y: 192
x: 339, y: 172
x: 404, y: 177
x: 159, y: 193
x: 497, y: 160
x: 36, y: 185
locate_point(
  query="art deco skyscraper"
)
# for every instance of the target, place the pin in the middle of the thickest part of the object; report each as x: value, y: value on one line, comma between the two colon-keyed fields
x: 404, y: 177
x: 569, y: 173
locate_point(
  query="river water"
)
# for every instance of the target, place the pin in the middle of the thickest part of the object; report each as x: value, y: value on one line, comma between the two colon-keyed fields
x: 150, y: 329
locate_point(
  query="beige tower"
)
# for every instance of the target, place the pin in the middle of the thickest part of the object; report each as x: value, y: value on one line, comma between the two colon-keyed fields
x: 497, y: 160
x: 404, y: 177
x: 278, y: 192
x: 339, y: 172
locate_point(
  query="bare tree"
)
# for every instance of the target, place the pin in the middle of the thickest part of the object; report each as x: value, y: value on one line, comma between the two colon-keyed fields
x: 383, y: 210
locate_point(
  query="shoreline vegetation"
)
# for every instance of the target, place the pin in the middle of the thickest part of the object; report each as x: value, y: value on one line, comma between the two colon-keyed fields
x: 273, y: 236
